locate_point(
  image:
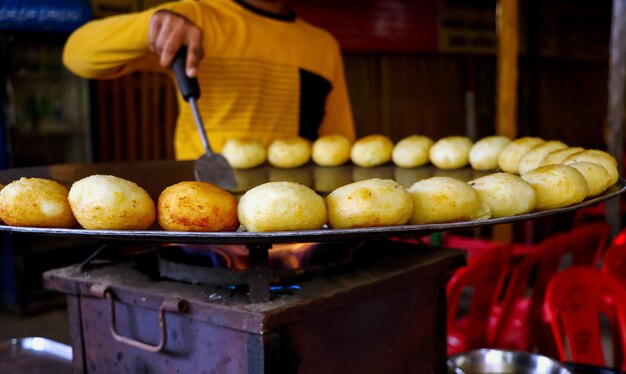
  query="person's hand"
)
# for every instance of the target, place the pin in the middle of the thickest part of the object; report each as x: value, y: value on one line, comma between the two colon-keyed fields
x: 168, y: 32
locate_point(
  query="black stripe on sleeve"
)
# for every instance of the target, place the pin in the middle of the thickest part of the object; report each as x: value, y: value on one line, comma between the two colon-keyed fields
x: 290, y: 16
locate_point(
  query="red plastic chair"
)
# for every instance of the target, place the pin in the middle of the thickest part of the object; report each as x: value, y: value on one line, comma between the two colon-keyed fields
x: 597, y: 212
x: 469, y: 321
x: 473, y: 246
x: 614, y: 262
x: 586, y: 242
x: 520, y: 308
x: 523, y: 322
x: 576, y: 298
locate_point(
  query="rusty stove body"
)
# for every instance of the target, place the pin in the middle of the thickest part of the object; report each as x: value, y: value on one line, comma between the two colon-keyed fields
x: 381, y: 311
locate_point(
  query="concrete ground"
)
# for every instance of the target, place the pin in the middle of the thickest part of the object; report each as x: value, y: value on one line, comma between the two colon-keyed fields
x: 52, y: 324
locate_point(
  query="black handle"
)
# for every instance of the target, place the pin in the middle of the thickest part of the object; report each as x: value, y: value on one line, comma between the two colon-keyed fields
x: 188, y: 86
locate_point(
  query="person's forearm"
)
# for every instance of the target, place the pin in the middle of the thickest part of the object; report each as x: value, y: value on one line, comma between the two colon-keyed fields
x: 109, y: 47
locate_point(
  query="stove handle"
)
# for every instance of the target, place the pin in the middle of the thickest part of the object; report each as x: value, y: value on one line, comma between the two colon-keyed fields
x: 169, y: 304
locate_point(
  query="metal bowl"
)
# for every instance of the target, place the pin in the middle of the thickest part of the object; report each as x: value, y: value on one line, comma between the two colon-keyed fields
x: 502, y: 361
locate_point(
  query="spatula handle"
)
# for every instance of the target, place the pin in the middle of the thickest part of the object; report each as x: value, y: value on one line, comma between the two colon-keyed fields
x: 198, y: 119
x: 190, y: 90
x: 188, y: 86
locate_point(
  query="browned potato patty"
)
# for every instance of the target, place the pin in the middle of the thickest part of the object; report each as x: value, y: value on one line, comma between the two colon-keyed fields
x: 197, y: 206
x: 36, y: 202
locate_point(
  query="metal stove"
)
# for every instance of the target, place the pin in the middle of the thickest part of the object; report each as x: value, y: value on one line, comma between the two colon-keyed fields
x: 381, y: 312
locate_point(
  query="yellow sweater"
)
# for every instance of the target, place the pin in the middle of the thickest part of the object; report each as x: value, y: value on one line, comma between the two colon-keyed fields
x: 263, y: 76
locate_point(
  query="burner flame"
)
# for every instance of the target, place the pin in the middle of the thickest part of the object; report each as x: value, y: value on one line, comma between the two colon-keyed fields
x: 291, y: 256
x: 235, y: 256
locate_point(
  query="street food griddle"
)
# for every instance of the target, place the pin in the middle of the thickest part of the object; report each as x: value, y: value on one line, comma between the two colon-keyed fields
x: 155, y: 176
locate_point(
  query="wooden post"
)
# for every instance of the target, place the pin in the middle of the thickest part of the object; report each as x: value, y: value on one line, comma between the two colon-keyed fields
x: 507, y: 19
x: 507, y: 16
x: 615, y: 114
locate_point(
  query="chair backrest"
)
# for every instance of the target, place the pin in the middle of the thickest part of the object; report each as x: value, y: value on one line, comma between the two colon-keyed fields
x: 587, y: 242
x: 473, y: 246
x: 528, y: 281
x: 576, y: 299
x: 614, y: 262
x: 484, y: 275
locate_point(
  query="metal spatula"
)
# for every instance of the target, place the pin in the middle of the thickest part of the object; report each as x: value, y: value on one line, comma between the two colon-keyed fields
x: 210, y: 167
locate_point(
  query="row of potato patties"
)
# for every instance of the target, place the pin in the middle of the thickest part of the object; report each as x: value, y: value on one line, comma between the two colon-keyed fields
x: 498, y: 153
x: 328, y: 150
x: 449, y: 153
x: 105, y: 202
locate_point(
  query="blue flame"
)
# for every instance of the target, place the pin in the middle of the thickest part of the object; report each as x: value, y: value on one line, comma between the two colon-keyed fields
x: 273, y: 288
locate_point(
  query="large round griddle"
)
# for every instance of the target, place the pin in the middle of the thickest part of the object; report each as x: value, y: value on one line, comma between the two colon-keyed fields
x: 154, y: 176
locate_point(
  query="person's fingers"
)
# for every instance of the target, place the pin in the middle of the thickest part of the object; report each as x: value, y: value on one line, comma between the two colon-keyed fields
x: 171, y: 38
x: 171, y: 45
x: 195, y: 53
x: 168, y: 32
x: 153, y: 32
x: 156, y: 23
x: 163, y: 23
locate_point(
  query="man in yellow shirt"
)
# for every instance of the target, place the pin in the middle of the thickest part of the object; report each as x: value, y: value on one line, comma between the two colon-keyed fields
x: 263, y: 72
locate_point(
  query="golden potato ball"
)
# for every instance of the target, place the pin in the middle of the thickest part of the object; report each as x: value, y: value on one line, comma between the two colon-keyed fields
x: 598, y: 179
x: 369, y: 203
x: 451, y: 152
x: 244, y: 153
x: 107, y: 202
x: 485, y: 152
x: 371, y: 150
x: 445, y: 199
x: 289, y: 153
x: 557, y: 186
x: 36, y: 202
x: 331, y: 150
x: 412, y: 151
x: 197, y: 206
x: 512, y: 154
x: 559, y: 156
x: 533, y: 157
x: 281, y: 206
x: 506, y: 194
x: 599, y: 157
x: 483, y: 212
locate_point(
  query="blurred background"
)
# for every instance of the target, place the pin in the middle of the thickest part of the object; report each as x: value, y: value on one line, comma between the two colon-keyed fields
x: 412, y: 67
